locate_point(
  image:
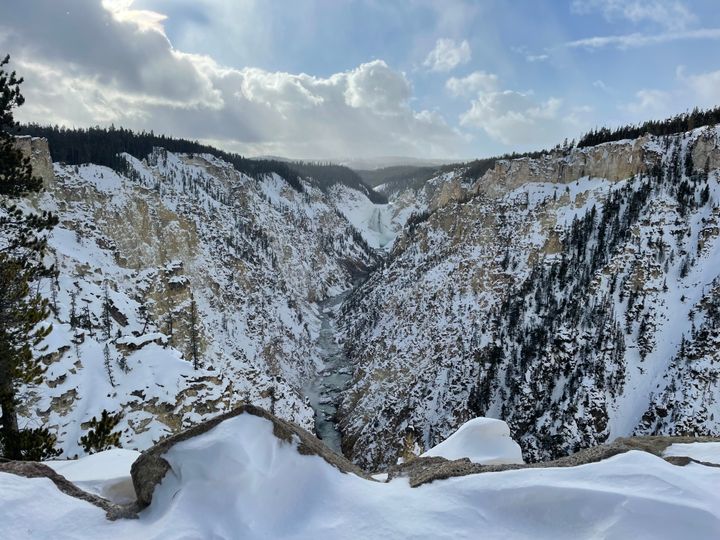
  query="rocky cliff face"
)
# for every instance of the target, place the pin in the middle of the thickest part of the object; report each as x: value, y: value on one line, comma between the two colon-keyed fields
x: 571, y: 295
x: 184, y: 287
x: 574, y: 296
x: 611, y: 161
x: 37, y: 150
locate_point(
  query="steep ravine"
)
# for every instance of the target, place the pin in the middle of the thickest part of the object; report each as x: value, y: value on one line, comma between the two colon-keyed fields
x: 178, y: 235
x: 325, y: 391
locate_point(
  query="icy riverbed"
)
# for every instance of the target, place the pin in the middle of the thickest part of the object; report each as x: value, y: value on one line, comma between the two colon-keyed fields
x: 324, y: 393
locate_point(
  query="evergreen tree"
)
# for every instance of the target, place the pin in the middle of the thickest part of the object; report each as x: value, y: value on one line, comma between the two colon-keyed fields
x: 108, y: 366
x: 100, y: 435
x: 194, y: 338
x: 21, y: 252
x: 106, y: 322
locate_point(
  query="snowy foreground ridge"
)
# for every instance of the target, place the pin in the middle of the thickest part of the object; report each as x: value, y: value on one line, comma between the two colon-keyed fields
x: 239, y: 480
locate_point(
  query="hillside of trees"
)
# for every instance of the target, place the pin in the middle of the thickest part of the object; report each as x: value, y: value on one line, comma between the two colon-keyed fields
x: 677, y: 124
x: 326, y: 175
x: 398, y: 178
x: 103, y: 146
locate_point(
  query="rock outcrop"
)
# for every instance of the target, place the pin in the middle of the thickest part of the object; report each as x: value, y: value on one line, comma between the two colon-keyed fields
x: 38, y: 151
x: 32, y: 469
x: 611, y: 161
x: 151, y: 467
x: 424, y: 470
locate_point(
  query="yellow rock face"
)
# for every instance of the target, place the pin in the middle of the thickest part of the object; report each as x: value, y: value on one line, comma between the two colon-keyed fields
x: 39, y: 152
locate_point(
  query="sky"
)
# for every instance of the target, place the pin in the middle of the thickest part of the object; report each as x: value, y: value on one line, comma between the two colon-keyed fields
x: 338, y: 79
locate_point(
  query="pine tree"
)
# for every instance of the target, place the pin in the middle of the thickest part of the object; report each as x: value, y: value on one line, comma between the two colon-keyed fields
x: 22, y: 248
x: 194, y: 338
x: 100, y: 435
x: 73, y: 310
x: 106, y: 322
x: 108, y: 366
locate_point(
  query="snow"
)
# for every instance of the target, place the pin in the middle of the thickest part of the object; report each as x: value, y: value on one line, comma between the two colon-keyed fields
x: 140, y: 341
x: 705, y: 452
x: 379, y: 224
x: 483, y: 440
x: 373, y: 221
x: 239, y: 481
x: 434, y: 302
x: 106, y: 473
x: 257, y: 256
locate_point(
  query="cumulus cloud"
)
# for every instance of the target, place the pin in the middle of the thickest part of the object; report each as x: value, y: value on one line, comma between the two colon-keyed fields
x: 692, y: 90
x: 649, y: 102
x: 87, y: 63
x: 670, y: 14
x: 477, y: 81
x: 513, y: 117
x: 89, y: 41
x: 377, y: 87
x: 518, y: 118
x: 447, y: 55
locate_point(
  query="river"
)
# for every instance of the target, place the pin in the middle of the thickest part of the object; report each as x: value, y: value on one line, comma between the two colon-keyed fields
x: 325, y: 392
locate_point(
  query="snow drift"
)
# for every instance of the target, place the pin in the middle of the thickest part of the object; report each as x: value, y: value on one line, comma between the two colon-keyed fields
x: 240, y: 480
x: 105, y: 474
x: 483, y: 440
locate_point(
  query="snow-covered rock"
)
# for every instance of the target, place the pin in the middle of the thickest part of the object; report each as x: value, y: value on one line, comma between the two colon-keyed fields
x: 707, y: 452
x: 483, y: 440
x: 214, y: 438
x: 105, y: 473
x: 240, y: 480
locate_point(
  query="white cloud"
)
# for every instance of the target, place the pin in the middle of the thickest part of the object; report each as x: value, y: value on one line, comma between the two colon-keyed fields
x: 629, y: 41
x: 515, y: 118
x: 600, y: 85
x: 537, y: 57
x: 447, y: 55
x: 692, y: 90
x: 670, y: 14
x: 377, y: 87
x: 649, y: 103
x: 477, y: 81
x: 705, y: 87
x: 122, y: 11
x: 119, y: 67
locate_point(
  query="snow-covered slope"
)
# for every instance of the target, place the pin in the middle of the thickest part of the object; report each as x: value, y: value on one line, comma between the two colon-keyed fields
x: 575, y: 296
x: 183, y: 254
x: 239, y: 480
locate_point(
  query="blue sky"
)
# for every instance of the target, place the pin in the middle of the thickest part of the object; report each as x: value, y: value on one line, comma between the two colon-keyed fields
x: 365, y: 78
